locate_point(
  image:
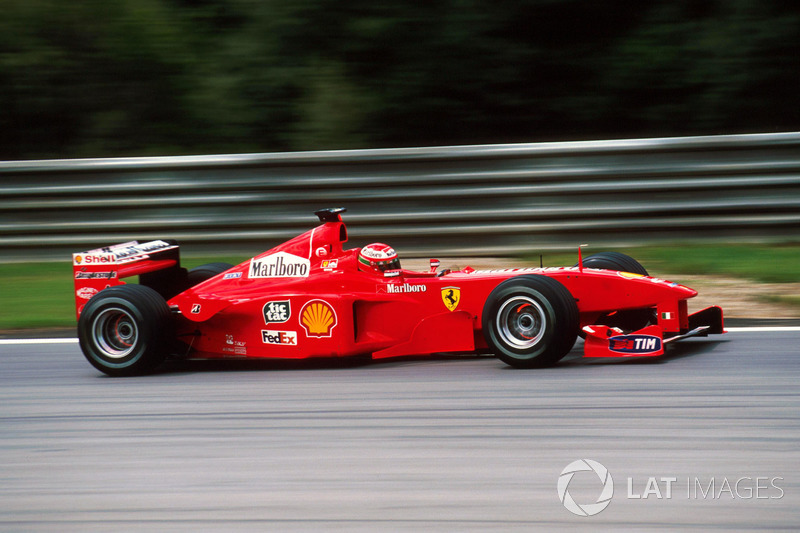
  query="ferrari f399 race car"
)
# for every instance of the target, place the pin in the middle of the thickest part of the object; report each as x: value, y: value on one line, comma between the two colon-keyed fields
x: 310, y: 297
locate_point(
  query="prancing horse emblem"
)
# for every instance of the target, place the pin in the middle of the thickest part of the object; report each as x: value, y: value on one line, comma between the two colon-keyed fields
x: 451, y: 296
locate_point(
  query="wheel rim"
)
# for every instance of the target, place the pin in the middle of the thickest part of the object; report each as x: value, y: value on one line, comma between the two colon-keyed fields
x: 115, y: 333
x: 521, y: 322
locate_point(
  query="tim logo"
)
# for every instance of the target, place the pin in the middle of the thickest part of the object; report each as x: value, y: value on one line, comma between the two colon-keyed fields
x: 634, y: 344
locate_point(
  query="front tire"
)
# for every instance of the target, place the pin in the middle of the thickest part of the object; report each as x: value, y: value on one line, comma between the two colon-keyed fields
x: 530, y: 321
x: 614, y: 261
x: 627, y: 319
x: 124, y: 330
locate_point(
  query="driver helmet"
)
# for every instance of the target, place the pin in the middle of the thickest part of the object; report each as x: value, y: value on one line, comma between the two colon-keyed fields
x: 378, y: 257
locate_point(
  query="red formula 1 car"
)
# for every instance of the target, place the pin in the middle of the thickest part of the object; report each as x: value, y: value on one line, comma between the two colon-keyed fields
x: 309, y: 297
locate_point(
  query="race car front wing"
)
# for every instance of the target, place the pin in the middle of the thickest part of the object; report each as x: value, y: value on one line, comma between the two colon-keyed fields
x: 605, y: 341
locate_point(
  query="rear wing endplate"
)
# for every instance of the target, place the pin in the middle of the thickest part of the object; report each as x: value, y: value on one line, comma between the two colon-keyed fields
x: 98, y: 269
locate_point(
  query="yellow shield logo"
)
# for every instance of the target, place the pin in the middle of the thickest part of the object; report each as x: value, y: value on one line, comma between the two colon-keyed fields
x: 318, y: 318
x: 451, y: 296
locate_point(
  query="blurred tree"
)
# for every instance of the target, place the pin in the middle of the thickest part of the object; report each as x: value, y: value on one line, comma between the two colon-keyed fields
x: 135, y: 77
x: 91, y: 77
x: 706, y: 67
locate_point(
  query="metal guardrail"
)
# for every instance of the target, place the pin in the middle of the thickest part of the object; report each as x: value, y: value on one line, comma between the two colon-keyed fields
x: 465, y: 200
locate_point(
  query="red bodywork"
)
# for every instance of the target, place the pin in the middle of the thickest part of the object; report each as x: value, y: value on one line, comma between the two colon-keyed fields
x: 307, y: 298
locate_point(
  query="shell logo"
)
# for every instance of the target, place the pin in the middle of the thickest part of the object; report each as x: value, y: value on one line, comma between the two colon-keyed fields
x: 318, y: 318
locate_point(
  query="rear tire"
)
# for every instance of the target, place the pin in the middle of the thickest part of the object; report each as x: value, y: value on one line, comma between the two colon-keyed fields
x: 125, y: 330
x: 205, y: 272
x: 530, y: 321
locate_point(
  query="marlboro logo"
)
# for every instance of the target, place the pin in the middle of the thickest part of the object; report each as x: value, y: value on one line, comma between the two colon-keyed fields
x: 279, y: 265
x: 402, y: 288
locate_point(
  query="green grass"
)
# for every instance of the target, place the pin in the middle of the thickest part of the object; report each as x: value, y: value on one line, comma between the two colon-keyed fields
x: 41, y: 295
x: 191, y: 262
x: 36, y: 295
x: 761, y: 263
x: 792, y: 300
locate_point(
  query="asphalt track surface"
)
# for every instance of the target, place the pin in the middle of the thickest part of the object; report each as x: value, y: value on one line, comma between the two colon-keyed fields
x: 447, y: 444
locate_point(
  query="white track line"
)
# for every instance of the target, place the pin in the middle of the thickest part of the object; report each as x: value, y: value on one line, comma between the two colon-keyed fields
x: 763, y: 329
x: 38, y: 341
x: 754, y: 329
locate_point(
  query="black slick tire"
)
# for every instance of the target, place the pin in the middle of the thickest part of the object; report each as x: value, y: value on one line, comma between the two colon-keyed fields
x: 614, y: 261
x: 627, y: 319
x: 205, y: 272
x: 530, y: 321
x: 125, y: 330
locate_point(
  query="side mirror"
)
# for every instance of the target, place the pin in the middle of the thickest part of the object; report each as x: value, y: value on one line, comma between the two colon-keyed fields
x: 435, y: 264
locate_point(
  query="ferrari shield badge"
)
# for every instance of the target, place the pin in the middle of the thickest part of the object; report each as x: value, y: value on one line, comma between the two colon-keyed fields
x: 451, y: 296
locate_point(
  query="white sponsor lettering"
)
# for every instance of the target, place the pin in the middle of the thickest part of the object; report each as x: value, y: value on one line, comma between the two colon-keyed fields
x: 86, y: 292
x: 129, y: 252
x: 230, y: 340
x: 395, y: 288
x: 279, y: 265
x: 93, y: 259
x: 121, y: 253
x: 277, y: 312
x: 378, y: 254
x: 285, y: 338
x: 516, y: 270
x: 95, y: 275
x: 645, y: 343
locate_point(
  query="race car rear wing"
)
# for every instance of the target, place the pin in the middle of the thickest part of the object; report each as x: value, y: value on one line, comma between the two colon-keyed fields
x: 157, y: 263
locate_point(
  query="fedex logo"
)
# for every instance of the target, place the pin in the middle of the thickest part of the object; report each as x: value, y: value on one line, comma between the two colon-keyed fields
x: 634, y: 344
x: 284, y: 338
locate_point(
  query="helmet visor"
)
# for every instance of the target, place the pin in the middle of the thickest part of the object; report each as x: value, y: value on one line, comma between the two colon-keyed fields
x: 394, y: 264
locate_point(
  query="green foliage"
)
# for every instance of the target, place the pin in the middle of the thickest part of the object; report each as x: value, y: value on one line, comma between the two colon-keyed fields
x: 135, y: 77
x: 767, y: 263
x: 192, y: 261
x: 36, y: 295
x: 42, y: 295
x: 781, y: 299
x: 763, y: 263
